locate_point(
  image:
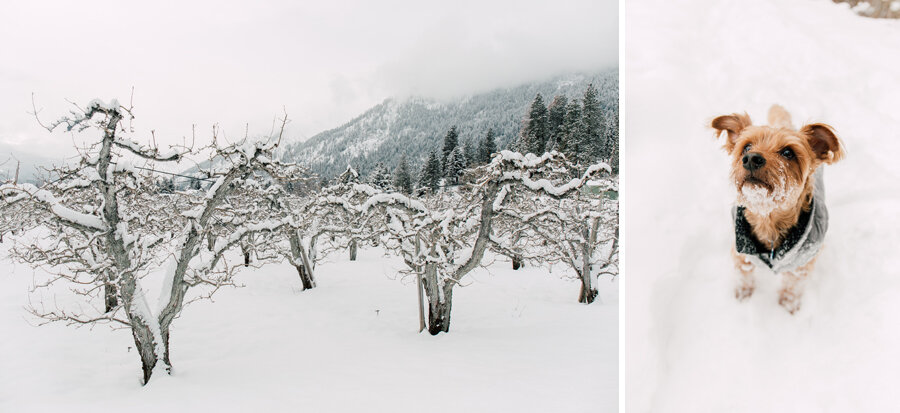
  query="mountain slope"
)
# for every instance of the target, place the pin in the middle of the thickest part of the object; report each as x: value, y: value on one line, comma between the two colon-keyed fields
x: 415, y: 126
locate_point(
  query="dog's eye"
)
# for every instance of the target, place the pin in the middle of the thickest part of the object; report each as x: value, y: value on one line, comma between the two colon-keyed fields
x: 747, y: 148
x: 787, y: 153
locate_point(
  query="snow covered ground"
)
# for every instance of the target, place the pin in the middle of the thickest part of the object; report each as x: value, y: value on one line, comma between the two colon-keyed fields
x: 688, y: 345
x: 519, y: 341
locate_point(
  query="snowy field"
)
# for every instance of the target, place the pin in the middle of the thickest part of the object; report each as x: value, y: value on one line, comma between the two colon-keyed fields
x: 518, y: 341
x: 688, y: 345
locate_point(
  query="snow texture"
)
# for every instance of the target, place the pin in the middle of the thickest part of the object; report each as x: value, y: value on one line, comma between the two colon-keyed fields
x: 690, y: 346
x: 211, y: 192
x: 519, y: 343
x: 100, y: 104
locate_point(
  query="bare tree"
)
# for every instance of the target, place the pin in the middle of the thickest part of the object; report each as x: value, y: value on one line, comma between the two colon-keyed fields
x: 443, y: 237
x: 580, y: 230
x: 270, y: 200
x: 109, y: 222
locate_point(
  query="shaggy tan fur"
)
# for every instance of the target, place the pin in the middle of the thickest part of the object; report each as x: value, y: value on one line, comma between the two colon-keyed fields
x: 775, y: 194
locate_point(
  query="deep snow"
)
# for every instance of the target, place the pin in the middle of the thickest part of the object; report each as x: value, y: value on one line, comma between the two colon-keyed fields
x: 518, y: 341
x: 688, y: 345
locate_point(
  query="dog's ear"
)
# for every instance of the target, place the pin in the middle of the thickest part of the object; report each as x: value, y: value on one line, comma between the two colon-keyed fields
x: 825, y: 144
x: 733, y: 124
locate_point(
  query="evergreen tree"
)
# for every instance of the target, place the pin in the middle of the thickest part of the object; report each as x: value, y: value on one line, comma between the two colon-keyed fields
x: 571, y: 134
x: 611, y: 131
x: 431, y: 173
x: 417, y: 124
x: 614, y: 157
x: 451, y: 141
x: 471, y: 153
x: 552, y: 145
x: 533, y: 137
x: 166, y: 186
x: 423, y: 176
x: 595, y: 144
x: 402, y: 179
x: 487, y: 147
x: 456, y: 164
x: 380, y: 177
x: 556, y: 114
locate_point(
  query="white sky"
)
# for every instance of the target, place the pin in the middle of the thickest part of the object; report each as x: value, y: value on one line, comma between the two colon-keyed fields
x: 233, y: 63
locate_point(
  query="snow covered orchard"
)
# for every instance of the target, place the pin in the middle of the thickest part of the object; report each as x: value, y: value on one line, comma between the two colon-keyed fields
x: 547, y: 217
x: 107, y: 222
x: 443, y: 235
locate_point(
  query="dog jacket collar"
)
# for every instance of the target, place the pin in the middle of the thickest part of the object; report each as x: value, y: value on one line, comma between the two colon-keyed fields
x: 803, y: 241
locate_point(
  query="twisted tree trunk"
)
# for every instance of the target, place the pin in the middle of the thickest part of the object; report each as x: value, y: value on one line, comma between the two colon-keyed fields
x: 143, y: 325
x: 301, y: 262
x: 440, y: 290
x: 589, y: 234
x: 143, y: 341
x: 139, y: 315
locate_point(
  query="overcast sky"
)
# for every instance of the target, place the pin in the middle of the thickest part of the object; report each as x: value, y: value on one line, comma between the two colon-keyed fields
x: 233, y: 63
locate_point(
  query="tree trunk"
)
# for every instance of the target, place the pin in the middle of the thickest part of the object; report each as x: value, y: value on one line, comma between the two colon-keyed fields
x: 305, y: 279
x: 143, y: 341
x: 109, y: 294
x: 419, y: 287
x: 138, y: 313
x: 588, y: 293
x: 353, y: 250
x: 439, y: 314
x: 438, y: 306
x: 516, y: 262
x: 301, y: 262
x: 246, y: 255
x: 516, y: 258
x: 164, y: 330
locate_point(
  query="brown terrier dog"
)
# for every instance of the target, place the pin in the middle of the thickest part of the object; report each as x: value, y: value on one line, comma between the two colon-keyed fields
x: 780, y: 217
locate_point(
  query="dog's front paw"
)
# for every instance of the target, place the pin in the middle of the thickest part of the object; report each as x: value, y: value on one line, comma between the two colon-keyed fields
x: 790, y: 301
x: 743, y: 292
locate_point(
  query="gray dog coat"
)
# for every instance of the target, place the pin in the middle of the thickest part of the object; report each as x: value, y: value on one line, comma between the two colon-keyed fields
x: 803, y: 241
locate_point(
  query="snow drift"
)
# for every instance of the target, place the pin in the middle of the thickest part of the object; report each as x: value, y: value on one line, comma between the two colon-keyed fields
x: 688, y: 345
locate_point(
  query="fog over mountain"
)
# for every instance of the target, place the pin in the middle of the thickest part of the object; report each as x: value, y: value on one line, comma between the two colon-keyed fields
x: 30, y: 166
x: 415, y: 126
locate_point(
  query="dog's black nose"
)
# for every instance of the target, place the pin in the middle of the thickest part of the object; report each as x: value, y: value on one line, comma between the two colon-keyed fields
x: 753, y: 161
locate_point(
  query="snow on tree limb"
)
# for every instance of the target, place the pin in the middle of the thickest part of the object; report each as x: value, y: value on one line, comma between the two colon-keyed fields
x: 65, y: 214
